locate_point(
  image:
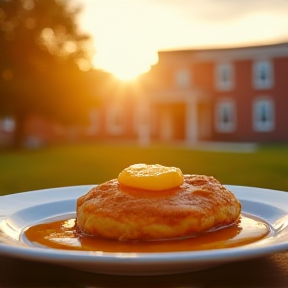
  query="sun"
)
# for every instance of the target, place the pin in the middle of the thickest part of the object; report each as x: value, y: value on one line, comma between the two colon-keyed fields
x: 128, y: 71
x: 124, y: 44
x: 126, y: 62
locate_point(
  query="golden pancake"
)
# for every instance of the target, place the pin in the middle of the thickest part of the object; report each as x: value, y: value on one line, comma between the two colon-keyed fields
x: 115, y: 211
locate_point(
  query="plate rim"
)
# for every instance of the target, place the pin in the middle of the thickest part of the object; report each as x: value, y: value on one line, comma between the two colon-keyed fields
x: 77, y: 257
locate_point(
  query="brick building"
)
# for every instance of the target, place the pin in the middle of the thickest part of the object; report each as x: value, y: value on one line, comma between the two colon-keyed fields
x: 233, y: 94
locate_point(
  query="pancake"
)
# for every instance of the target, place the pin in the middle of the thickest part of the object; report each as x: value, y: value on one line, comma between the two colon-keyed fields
x: 115, y: 211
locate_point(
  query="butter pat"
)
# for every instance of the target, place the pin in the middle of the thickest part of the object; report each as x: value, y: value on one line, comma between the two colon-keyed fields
x: 151, y: 177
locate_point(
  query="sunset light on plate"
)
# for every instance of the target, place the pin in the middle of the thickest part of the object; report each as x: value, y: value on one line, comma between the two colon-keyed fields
x: 127, y: 34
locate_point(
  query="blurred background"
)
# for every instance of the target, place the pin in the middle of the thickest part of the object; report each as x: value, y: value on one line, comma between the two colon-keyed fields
x: 89, y: 87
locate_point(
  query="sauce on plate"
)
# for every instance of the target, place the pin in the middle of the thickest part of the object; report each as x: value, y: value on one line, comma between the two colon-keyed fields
x: 63, y: 234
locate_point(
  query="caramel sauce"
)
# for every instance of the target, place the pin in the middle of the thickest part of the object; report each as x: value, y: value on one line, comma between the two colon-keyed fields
x: 63, y: 234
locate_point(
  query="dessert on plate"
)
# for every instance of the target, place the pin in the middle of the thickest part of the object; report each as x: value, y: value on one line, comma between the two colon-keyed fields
x: 155, y: 202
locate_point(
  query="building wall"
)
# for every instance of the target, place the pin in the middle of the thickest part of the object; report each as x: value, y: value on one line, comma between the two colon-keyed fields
x: 244, y: 96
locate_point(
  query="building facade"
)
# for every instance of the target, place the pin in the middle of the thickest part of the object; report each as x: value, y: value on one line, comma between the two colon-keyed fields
x: 227, y: 95
x: 236, y: 94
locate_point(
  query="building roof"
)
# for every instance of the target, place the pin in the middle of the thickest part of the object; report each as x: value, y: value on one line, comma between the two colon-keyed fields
x: 228, y: 53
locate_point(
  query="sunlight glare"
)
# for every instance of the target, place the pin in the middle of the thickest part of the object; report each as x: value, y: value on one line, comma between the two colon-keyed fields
x: 127, y: 62
x: 128, y: 34
x: 123, y: 36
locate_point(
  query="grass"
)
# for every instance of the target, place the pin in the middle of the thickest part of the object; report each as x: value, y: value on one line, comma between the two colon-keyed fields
x: 95, y: 163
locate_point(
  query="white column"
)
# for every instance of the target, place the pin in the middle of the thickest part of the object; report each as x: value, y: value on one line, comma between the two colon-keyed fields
x: 191, y: 121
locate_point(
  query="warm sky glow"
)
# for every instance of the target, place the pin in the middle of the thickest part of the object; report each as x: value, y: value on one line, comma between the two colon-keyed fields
x: 128, y: 33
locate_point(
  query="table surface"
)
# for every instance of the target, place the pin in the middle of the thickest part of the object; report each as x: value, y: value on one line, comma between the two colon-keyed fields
x: 271, y: 271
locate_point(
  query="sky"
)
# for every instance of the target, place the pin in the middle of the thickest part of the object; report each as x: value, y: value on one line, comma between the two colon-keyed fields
x: 128, y: 34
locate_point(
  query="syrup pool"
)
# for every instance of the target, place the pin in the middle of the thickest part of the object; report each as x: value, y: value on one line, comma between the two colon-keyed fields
x: 63, y: 234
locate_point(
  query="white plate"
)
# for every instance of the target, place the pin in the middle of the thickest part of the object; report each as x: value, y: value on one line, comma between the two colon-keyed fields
x: 18, y: 211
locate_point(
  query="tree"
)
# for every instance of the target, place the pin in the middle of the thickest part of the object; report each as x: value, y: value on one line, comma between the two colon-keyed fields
x: 41, y: 53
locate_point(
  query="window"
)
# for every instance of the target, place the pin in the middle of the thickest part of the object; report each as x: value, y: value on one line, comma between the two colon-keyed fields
x: 115, y: 124
x: 262, y: 75
x: 225, y: 116
x: 224, y: 77
x: 183, y: 78
x: 263, y: 115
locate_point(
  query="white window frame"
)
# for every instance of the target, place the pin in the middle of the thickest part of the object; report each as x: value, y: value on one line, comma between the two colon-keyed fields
x: 229, y: 125
x: 183, y: 78
x: 227, y: 83
x: 266, y: 124
x: 115, y: 120
x: 266, y: 67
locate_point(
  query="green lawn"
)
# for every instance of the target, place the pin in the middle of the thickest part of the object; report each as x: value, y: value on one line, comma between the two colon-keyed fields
x: 95, y: 163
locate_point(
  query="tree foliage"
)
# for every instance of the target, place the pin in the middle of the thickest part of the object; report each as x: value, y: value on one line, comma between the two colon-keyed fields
x: 41, y: 53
